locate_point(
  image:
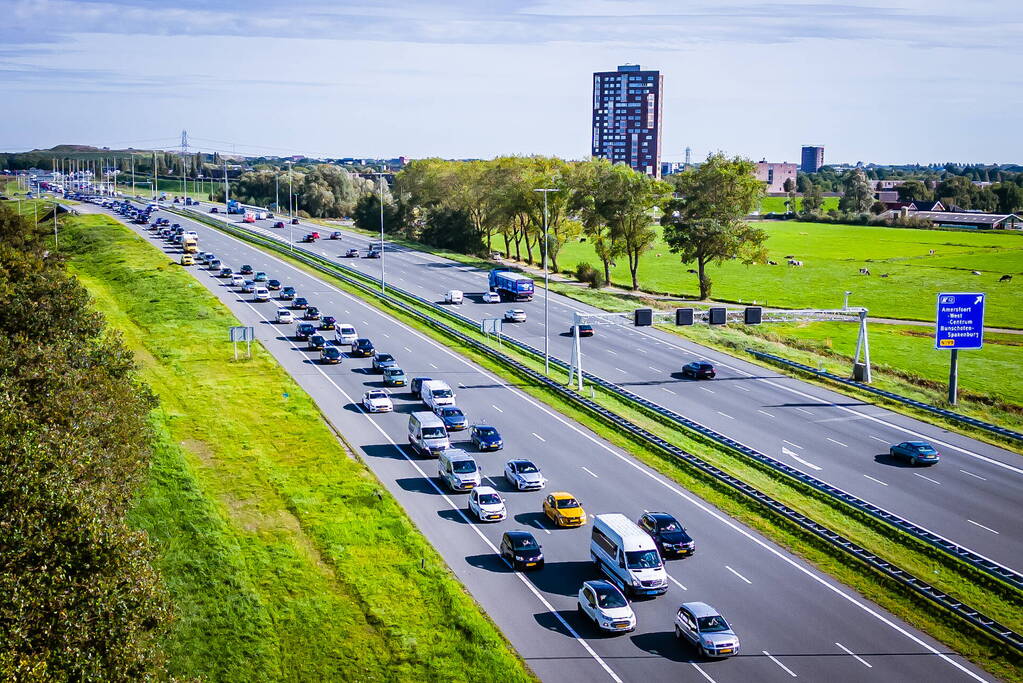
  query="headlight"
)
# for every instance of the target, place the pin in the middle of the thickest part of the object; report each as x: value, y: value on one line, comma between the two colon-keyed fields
x: 519, y: 558
x: 708, y: 643
x: 637, y: 583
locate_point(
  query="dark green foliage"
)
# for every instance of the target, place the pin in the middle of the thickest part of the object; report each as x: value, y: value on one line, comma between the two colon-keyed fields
x: 367, y: 214
x: 452, y: 229
x: 80, y: 599
x: 584, y: 272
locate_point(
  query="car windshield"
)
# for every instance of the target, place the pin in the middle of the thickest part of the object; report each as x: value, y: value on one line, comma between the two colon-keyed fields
x: 464, y: 466
x: 642, y: 559
x: 385, y: 357
x: 610, y: 599
x: 525, y: 467
x: 452, y: 412
x: 442, y: 393
x: 526, y: 543
x: 712, y: 624
x: 347, y: 330
x: 433, y: 432
x: 391, y: 372
x: 490, y: 499
x: 486, y: 431
x: 377, y: 394
x: 566, y: 503
x: 924, y: 449
x: 669, y: 525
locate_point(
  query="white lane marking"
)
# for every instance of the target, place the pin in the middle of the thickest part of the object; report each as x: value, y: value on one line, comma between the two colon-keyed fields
x: 669, y: 391
x: 408, y: 349
x: 974, y: 475
x: 838, y: 442
x: 433, y: 366
x: 877, y: 480
x: 785, y: 668
x: 703, y: 673
x: 585, y: 469
x: 386, y: 335
x: 538, y: 436
x: 986, y: 528
x: 709, y: 391
x: 619, y: 369
x: 613, y: 353
x: 877, y: 438
x: 741, y: 388
x: 738, y: 574
x: 725, y: 415
x: 794, y: 445
x: 541, y: 527
x: 935, y: 481
x: 765, y: 413
x: 653, y: 368
x: 496, y: 408
x: 855, y: 656
x: 798, y: 459
x: 672, y: 579
x: 804, y: 410
x: 699, y: 504
x: 641, y: 350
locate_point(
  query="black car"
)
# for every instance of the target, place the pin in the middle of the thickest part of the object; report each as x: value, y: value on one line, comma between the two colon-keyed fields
x: 317, y: 342
x: 330, y: 354
x: 521, y: 550
x: 698, y: 369
x: 246, y: 270
x: 383, y: 360
x: 485, y: 438
x: 279, y: 224
x: 214, y: 210
x: 305, y: 330
x: 416, y: 385
x: 363, y: 348
x: 328, y: 322
x: 287, y: 293
x: 300, y: 302
x: 273, y: 284
x: 294, y: 221
x: 312, y: 313
x: 584, y: 330
x: 669, y: 535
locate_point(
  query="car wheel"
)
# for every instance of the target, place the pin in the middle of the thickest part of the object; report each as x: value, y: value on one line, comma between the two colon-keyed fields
x: 678, y: 632
x: 913, y: 461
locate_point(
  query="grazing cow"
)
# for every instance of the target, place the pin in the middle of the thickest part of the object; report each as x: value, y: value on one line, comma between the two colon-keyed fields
x: 691, y: 270
x: 790, y: 256
x: 1005, y: 278
x: 864, y: 271
x: 793, y: 262
x: 976, y: 272
x: 931, y: 252
x: 772, y: 263
x: 884, y: 274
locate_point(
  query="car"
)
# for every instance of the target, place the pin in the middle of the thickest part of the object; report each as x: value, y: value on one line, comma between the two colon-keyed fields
x: 215, y: 264
x: 285, y: 316
x: 602, y: 603
x: 249, y: 287
x: 273, y: 284
x: 915, y: 452
x: 585, y: 330
x: 261, y: 294
x: 187, y: 260
x: 703, y: 627
x: 336, y: 235
x: 515, y: 315
x: 300, y: 302
x: 344, y: 333
x: 521, y: 550
x: 352, y: 253
x: 377, y: 401
x: 287, y: 293
x: 312, y: 313
x: 363, y: 348
x: 669, y: 535
x: 315, y: 235
x: 564, y: 510
x: 214, y: 210
x: 237, y: 281
x: 330, y: 354
x: 328, y: 322
x: 308, y: 238
x: 260, y: 277
x: 200, y: 257
x: 382, y: 361
x: 486, y: 504
x: 245, y: 269
x: 415, y: 387
x: 491, y: 298
x: 698, y: 369
x: 453, y: 418
x: 524, y: 475
x: 317, y: 342
x: 454, y: 296
x: 279, y: 224
x: 373, y: 253
x: 394, y: 377
x: 304, y: 331
x: 294, y: 221
x: 485, y: 438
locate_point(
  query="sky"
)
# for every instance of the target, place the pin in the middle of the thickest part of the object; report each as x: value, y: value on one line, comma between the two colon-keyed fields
x: 898, y: 81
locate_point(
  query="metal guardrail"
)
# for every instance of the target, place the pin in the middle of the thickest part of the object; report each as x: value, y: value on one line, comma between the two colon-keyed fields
x: 949, y: 414
x: 919, y: 587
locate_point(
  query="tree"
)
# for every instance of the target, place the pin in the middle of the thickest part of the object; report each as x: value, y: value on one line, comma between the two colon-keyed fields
x: 857, y: 194
x: 707, y: 223
x: 789, y: 186
x: 1009, y: 196
x: 366, y: 214
x: 956, y: 190
x: 914, y: 189
x: 813, y: 199
x: 588, y: 181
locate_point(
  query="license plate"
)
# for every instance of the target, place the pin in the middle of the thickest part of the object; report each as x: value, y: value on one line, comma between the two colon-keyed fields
x: 725, y: 650
x: 531, y: 564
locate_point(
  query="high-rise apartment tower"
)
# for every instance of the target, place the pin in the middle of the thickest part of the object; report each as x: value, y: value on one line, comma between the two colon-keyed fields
x: 627, y: 117
x: 812, y: 159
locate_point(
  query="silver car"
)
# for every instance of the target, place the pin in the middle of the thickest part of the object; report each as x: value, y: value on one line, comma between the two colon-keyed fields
x: 701, y: 625
x: 524, y: 475
x: 515, y: 315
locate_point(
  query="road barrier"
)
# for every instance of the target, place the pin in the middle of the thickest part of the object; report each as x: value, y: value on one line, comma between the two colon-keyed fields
x: 905, y: 400
x: 835, y: 540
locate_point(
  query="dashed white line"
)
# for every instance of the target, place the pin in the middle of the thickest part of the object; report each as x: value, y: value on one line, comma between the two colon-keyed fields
x: 877, y: 438
x: 408, y: 349
x: 741, y: 388
x: 765, y: 413
x: 584, y: 468
x: 709, y: 391
x: 386, y: 335
x: 653, y: 368
x: 725, y: 415
x: 794, y: 445
x: 672, y: 579
x: 973, y: 475
x: 496, y: 408
x: 541, y: 527
x: 804, y: 410
x: 985, y: 528
x: 619, y: 369
x: 877, y: 480
x: 738, y: 574
x: 613, y: 353
x: 855, y: 656
x: 538, y: 436
x: 799, y: 460
x: 787, y: 670
x: 433, y: 366
x: 935, y: 481
x: 838, y: 442
x: 703, y: 673
x: 669, y: 390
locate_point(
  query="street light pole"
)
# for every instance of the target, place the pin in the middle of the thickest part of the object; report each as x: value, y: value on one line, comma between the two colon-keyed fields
x: 383, y: 286
x: 546, y: 285
x: 291, y: 215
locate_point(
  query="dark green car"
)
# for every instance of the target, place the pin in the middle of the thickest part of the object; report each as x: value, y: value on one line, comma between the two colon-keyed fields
x: 394, y: 377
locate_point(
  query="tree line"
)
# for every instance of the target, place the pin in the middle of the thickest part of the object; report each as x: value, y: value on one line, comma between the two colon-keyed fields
x: 81, y: 600
x: 321, y: 191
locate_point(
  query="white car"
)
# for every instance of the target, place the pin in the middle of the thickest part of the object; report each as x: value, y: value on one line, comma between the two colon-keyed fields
x: 377, y: 401
x: 285, y: 316
x: 249, y: 287
x: 603, y: 604
x: 345, y: 334
x: 491, y: 298
x: 524, y: 475
x: 261, y: 294
x: 515, y: 315
x: 486, y: 504
x: 453, y: 296
x: 237, y: 281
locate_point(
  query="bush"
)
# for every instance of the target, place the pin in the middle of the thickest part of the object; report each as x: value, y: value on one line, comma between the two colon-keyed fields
x: 584, y: 272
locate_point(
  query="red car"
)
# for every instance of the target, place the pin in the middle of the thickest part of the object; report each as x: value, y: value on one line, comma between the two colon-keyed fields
x: 315, y: 235
x: 279, y: 224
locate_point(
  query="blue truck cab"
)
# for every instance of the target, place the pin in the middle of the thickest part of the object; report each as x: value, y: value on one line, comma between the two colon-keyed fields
x: 511, y: 286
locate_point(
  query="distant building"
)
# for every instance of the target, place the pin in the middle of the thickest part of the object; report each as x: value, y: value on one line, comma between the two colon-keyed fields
x: 880, y: 185
x: 949, y: 219
x: 812, y: 158
x: 672, y: 167
x: 627, y: 117
x: 775, y: 175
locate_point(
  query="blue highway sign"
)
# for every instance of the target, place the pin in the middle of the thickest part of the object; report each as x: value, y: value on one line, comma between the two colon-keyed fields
x: 960, y: 323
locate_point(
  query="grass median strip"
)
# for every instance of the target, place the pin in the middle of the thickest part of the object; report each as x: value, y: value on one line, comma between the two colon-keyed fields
x: 947, y: 575
x: 285, y: 557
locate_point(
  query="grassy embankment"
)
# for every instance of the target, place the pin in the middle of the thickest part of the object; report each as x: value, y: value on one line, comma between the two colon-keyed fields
x: 999, y: 601
x: 286, y: 558
x: 777, y: 204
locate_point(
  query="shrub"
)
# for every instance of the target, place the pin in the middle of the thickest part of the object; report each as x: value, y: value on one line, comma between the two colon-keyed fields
x: 584, y: 272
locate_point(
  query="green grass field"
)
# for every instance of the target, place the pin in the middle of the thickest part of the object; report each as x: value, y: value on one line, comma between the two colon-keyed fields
x: 833, y: 255
x: 270, y: 536
x: 777, y: 204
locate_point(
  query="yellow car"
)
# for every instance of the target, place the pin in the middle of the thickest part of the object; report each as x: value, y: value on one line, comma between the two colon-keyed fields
x: 563, y: 509
x: 187, y: 260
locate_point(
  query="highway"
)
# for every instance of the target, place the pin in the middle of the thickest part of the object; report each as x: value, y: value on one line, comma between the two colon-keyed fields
x: 973, y: 497
x: 794, y: 622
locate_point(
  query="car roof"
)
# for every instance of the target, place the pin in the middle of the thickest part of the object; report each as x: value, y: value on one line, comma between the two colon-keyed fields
x: 661, y: 516
x: 485, y: 489
x: 701, y: 609
x: 918, y: 443
x: 558, y: 495
x: 517, y: 534
x: 601, y: 584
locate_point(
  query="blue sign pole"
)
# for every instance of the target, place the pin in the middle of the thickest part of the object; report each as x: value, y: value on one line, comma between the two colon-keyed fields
x: 959, y: 325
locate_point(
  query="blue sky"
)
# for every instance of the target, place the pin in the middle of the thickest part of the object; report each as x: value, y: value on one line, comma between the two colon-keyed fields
x: 898, y: 81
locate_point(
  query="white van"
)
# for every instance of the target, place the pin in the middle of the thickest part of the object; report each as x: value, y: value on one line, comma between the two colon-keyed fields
x: 453, y: 296
x: 344, y: 333
x: 627, y: 555
x: 437, y: 393
x: 459, y: 470
x: 426, y: 434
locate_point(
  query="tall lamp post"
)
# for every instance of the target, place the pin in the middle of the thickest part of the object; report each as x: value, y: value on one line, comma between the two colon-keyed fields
x: 291, y: 215
x: 383, y: 285
x: 546, y: 284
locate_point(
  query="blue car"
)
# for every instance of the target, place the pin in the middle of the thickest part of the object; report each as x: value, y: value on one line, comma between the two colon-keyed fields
x: 915, y: 452
x: 453, y: 418
x: 486, y: 438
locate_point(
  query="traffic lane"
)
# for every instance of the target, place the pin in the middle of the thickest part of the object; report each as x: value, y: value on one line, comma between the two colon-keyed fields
x: 736, y: 562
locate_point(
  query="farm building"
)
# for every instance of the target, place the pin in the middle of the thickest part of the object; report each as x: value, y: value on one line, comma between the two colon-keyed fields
x: 984, y: 221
